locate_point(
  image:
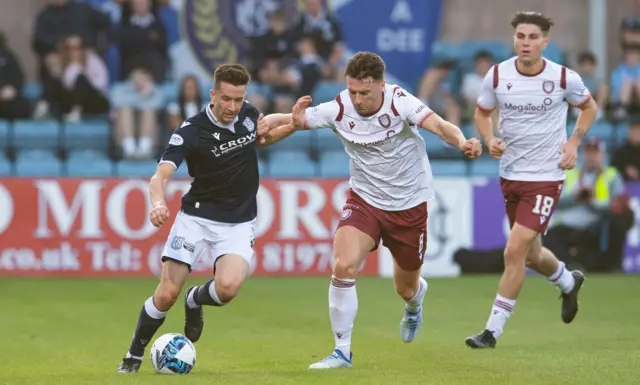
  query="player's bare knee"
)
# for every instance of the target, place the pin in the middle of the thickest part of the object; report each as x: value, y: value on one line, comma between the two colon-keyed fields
x: 227, y: 288
x: 345, y: 267
x: 514, y: 254
x: 165, y: 296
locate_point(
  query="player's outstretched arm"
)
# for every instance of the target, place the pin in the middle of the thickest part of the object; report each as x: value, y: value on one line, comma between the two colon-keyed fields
x: 157, y: 186
x: 452, y: 135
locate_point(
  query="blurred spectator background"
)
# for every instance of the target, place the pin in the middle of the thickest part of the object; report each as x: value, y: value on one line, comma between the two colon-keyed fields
x: 108, y: 80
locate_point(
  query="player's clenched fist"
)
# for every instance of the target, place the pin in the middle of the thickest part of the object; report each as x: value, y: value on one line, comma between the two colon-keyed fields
x: 159, y: 214
x: 298, y: 112
x: 496, y: 148
x: 569, y: 157
x: 472, y: 148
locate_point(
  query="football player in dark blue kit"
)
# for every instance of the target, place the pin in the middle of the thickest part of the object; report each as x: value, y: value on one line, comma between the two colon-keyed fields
x: 218, y: 214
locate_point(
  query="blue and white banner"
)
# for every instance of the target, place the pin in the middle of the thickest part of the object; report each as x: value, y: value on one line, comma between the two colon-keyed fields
x: 215, y: 31
x: 401, y: 31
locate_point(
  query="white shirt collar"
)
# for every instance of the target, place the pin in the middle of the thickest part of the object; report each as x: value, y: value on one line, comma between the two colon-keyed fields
x: 214, y: 120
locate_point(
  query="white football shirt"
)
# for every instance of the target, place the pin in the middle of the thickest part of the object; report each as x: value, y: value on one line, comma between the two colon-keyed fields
x: 533, y: 116
x: 389, y: 166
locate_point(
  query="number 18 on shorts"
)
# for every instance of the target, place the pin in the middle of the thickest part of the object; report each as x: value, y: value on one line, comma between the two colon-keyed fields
x: 531, y: 204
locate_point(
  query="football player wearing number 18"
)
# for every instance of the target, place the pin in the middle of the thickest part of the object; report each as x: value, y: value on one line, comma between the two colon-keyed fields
x: 532, y: 95
x: 390, y: 183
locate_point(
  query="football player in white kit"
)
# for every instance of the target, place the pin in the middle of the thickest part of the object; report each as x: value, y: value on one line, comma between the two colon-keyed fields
x: 390, y: 182
x: 532, y: 95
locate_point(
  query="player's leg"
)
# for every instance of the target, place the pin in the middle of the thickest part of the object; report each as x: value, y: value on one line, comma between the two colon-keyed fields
x: 545, y: 263
x: 412, y: 288
x: 232, y: 248
x: 182, y: 250
x: 358, y: 234
x: 405, y: 234
x: 516, y: 250
x: 154, y: 312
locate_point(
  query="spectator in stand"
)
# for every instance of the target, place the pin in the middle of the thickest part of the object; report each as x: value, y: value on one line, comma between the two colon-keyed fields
x: 84, y: 82
x: 435, y: 90
x: 630, y: 32
x: 140, y: 96
x: 142, y: 37
x: 625, y: 85
x: 587, y: 68
x: 325, y: 30
x: 188, y: 104
x: 270, y: 54
x: 593, y: 215
x: 472, y: 82
x: 61, y: 18
x: 12, y: 104
x: 627, y: 158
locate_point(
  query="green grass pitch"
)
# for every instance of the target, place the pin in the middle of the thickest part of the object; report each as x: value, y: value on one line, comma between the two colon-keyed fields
x: 75, y: 331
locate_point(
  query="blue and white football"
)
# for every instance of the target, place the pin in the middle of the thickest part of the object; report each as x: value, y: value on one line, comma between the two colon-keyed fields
x: 173, y: 354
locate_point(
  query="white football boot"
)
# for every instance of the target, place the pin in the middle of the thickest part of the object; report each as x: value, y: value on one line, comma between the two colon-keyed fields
x: 334, y: 361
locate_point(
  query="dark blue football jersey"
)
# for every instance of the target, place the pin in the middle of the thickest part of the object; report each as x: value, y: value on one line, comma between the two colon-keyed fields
x: 223, y: 162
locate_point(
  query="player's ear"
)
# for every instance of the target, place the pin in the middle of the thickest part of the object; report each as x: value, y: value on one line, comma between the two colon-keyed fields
x: 212, y: 94
x: 545, y: 41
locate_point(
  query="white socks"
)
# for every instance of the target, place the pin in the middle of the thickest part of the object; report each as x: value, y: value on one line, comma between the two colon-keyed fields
x: 343, y: 307
x: 500, y: 313
x: 562, y: 278
x: 415, y: 303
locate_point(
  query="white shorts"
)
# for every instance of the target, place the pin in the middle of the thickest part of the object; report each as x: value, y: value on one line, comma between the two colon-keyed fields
x: 191, y: 237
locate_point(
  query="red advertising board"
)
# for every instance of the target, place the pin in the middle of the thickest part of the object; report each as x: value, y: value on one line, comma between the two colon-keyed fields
x: 100, y: 227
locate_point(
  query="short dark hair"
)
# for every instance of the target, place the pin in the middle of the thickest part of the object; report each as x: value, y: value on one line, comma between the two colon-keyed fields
x: 535, y: 18
x: 587, y: 57
x: 482, y: 55
x: 235, y: 74
x: 365, y: 65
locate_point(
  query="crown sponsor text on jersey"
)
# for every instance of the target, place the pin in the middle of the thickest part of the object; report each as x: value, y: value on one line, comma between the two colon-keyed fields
x: 233, y: 144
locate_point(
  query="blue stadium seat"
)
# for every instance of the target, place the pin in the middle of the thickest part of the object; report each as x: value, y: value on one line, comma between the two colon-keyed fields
x: 136, y: 168
x: 485, y: 167
x: 92, y: 134
x: 298, y: 141
x: 4, y: 134
x: 31, y: 135
x: 89, y: 163
x: 601, y: 130
x: 444, y: 50
x: 326, y: 91
x: 170, y: 91
x: 621, y: 132
x: 291, y: 164
x: 446, y: 168
x: 435, y: 145
x: 35, y: 163
x: 263, y: 168
x: 334, y: 164
x: 554, y: 53
x: 326, y: 140
x: 498, y: 50
x: 6, y: 166
x: 32, y: 91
